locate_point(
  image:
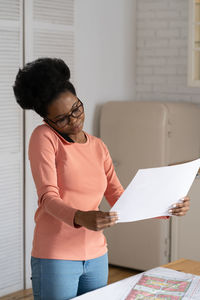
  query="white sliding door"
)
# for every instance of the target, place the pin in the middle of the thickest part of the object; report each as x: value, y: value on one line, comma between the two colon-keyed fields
x: 49, y: 31
x: 11, y: 151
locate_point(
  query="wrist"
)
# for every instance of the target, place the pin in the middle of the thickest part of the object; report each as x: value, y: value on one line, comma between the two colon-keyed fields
x: 77, y: 221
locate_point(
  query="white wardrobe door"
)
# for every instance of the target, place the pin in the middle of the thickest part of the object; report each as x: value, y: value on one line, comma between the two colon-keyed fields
x: 49, y: 32
x: 11, y: 150
x: 53, y: 32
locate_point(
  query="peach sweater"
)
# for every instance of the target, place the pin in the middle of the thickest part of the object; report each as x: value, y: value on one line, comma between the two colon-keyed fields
x: 69, y: 176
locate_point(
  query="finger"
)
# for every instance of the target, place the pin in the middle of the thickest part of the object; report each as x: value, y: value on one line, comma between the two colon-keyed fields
x: 186, y: 203
x: 174, y: 207
x: 111, y: 224
x: 110, y: 218
x: 180, y: 205
x: 179, y: 214
x: 107, y: 219
x: 111, y: 214
x: 186, y: 198
x: 105, y: 225
x: 178, y: 210
x: 183, y: 206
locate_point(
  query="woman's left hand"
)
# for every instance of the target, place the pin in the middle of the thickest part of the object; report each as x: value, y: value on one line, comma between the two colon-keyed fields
x: 181, y: 208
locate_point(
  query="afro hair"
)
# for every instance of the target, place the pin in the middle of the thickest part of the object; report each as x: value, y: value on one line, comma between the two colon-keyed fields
x: 40, y: 82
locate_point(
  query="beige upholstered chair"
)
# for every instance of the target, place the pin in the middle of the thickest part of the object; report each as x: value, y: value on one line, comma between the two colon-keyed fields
x: 143, y: 135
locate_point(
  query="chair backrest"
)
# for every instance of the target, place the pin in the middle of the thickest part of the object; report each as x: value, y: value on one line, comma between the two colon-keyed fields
x: 149, y: 134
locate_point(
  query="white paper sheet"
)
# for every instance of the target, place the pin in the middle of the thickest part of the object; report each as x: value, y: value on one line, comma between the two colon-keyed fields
x: 188, y: 286
x: 115, y: 291
x: 166, y: 284
x: 153, y: 191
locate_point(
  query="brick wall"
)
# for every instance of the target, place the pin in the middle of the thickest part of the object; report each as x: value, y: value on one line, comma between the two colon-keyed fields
x: 161, y: 56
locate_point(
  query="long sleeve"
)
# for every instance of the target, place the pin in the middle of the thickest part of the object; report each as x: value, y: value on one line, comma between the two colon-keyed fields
x: 42, y: 150
x: 114, y: 188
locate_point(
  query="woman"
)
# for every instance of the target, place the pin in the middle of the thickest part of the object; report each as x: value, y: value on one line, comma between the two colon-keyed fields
x: 72, y: 171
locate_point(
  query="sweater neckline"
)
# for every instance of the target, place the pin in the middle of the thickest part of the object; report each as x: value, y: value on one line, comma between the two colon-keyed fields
x: 70, y: 143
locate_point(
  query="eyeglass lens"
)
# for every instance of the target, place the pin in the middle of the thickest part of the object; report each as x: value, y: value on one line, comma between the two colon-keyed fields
x: 76, y: 113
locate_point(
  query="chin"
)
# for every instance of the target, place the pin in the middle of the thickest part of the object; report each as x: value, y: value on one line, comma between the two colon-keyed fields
x: 78, y: 130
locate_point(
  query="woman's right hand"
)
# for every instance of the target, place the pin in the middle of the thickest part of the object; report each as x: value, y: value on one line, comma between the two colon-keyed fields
x: 95, y: 220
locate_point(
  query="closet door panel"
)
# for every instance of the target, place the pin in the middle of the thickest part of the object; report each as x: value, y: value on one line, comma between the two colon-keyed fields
x: 49, y: 32
x: 11, y: 151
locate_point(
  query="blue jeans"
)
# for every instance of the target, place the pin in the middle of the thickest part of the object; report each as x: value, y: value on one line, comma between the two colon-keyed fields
x: 54, y: 279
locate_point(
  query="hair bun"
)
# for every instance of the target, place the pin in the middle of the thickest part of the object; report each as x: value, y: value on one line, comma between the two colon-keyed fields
x: 20, y: 82
x: 40, y: 82
x: 25, y: 105
x: 64, y: 69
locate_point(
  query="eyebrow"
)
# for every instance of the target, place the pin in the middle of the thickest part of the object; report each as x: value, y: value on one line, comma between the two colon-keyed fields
x: 68, y: 112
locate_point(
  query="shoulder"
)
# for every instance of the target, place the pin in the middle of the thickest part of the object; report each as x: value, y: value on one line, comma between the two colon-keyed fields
x: 43, y: 135
x: 42, y: 130
x: 94, y: 139
x: 98, y: 143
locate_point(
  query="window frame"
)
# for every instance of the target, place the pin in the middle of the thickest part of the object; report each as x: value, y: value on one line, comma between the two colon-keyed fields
x: 191, y: 46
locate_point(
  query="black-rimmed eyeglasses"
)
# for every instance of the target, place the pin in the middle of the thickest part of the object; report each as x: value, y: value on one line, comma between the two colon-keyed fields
x: 65, y: 120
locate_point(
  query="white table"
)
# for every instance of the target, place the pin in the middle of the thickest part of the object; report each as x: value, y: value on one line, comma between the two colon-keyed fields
x: 120, y: 289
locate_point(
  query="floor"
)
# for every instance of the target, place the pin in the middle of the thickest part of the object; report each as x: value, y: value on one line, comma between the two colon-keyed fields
x: 115, y: 274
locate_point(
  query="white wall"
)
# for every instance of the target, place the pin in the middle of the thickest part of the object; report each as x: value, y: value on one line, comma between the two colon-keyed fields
x: 104, y: 54
x: 162, y: 41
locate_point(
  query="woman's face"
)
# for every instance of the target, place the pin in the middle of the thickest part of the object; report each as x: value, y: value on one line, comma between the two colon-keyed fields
x: 62, y: 106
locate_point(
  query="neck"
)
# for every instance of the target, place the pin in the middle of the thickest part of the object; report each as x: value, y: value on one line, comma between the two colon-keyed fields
x: 79, y: 138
